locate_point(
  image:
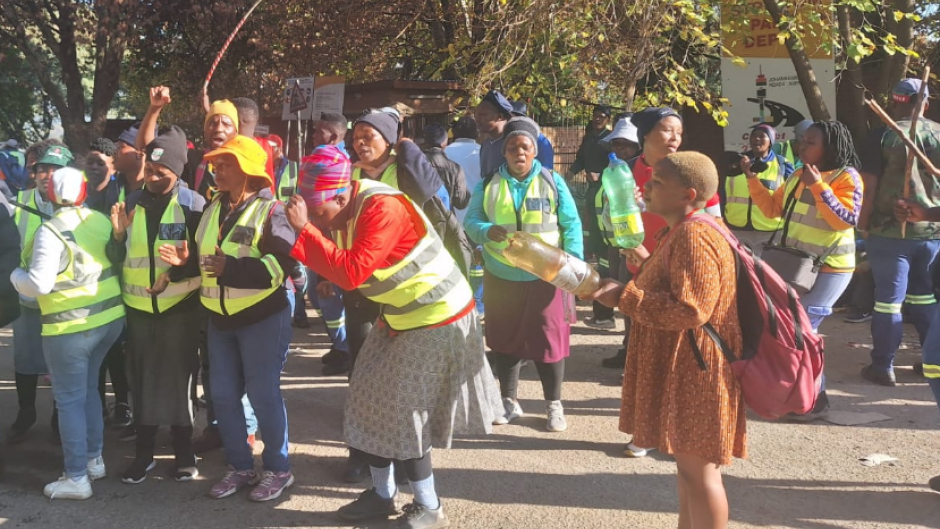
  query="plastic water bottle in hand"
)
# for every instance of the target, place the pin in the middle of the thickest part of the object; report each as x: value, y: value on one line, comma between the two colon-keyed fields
x: 624, y: 211
x: 550, y: 264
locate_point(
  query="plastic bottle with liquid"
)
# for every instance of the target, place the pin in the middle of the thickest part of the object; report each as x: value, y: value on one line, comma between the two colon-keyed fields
x: 620, y: 188
x: 551, y: 264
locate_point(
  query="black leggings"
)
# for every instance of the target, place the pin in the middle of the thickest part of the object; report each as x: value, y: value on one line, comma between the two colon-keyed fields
x: 115, y: 365
x: 361, y: 313
x: 416, y: 469
x: 507, y: 370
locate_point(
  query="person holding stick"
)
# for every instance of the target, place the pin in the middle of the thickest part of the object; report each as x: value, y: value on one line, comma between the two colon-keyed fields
x: 901, y: 258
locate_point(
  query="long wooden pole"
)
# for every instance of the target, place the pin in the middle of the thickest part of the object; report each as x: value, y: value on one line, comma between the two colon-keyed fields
x: 909, y: 168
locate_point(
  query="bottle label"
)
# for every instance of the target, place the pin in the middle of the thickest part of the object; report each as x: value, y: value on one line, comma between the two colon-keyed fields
x: 630, y: 224
x: 571, y: 275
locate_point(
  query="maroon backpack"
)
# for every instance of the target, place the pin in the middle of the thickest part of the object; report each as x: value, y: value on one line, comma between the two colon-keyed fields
x: 781, y: 364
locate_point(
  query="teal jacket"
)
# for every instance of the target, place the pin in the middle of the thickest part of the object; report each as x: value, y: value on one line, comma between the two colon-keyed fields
x: 477, y: 224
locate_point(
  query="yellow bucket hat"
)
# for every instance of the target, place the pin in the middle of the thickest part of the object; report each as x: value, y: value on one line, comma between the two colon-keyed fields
x: 250, y: 156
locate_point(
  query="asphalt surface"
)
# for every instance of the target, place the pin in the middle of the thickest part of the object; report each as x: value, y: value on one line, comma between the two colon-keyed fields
x: 521, y: 476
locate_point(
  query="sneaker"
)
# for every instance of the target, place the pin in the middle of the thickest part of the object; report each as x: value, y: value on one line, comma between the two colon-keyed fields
x: 512, y: 412
x: 66, y: 488
x: 232, y: 482
x: 210, y: 440
x: 25, y: 419
x: 96, y: 469
x: 137, y: 472
x: 417, y: 516
x: 556, y: 416
x: 336, y: 368
x: 934, y: 483
x: 819, y: 411
x: 335, y: 356
x: 129, y: 433
x: 271, y: 486
x: 368, y: 505
x: 600, y: 323
x: 618, y: 361
x: 186, y: 474
x: 858, y: 317
x: 883, y: 378
x: 122, y: 415
x: 634, y: 451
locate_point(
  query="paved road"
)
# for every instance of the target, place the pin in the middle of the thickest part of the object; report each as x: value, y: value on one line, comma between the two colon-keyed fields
x: 797, y: 476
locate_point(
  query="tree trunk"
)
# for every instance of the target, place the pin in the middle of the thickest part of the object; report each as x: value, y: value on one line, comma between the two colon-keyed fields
x: 804, y: 69
x: 904, y: 31
x: 851, y: 83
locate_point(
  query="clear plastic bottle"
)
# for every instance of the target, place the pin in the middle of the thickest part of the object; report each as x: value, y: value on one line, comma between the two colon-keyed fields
x: 624, y: 211
x: 551, y: 264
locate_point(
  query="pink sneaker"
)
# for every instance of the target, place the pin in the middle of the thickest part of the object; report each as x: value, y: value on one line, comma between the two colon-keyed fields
x: 272, y: 485
x: 232, y: 482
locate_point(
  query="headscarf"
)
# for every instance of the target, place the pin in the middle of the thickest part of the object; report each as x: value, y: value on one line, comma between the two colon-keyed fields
x: 323, y: 175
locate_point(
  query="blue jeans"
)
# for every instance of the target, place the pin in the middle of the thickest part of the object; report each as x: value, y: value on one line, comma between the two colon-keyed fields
x: 251, y: 359
x: 74, y: 360
x: 903, y: 272
x: 931, y: 355
x: 818, y: 302
x: 331, y: 310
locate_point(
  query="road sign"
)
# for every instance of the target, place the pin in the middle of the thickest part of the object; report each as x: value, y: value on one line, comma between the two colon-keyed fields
x: 298, y: 94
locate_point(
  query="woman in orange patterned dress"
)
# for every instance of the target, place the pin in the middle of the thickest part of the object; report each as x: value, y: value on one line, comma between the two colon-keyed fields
x: 669, y: 401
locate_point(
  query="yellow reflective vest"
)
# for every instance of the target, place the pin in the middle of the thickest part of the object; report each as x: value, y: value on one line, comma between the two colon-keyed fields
x: 243, y: 240
x: 426, y: 287
x: 288, y: 182
x: 538, y: 214
x: 740, y: 212
x: 807, y: 230
x: 142, y: 264
x: 87, y: 292
x: 389, y: 175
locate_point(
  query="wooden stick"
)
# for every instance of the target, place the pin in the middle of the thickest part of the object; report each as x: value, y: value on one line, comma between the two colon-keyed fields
x: 886, y: 119
x: 218, y: 58
x: 909, y: 168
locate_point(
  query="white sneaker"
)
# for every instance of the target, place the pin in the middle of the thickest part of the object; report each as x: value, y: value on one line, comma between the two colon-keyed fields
x: 513, y: 412
x: 634, y: 451
x: 556, y: 416
x: 69, y: 489
x: 96, y: 468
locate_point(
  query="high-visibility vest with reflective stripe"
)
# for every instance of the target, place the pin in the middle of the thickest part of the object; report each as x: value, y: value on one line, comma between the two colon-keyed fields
x: 809, y: 231
x: 538, y: 215
x: 389, y: 175
x: 740, y: 212
x: 87, y: 292
x: 143, y: 264
x: 288, y: 182
x: 249, y: 228
x: 27, y: 223
x: 426, y: 287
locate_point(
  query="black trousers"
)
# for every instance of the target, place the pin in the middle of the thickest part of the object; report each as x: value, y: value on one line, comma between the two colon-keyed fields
x: 608, y: 266
x: 114, y: 364
x: 507, y: 370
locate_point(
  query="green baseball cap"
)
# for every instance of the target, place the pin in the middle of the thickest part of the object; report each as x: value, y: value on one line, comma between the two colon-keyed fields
x: 56, y: 155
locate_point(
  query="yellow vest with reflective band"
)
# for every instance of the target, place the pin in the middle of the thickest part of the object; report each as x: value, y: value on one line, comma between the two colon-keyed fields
x: 426, y: 287
x: 538, y: 216
x: 389, y: 175
x: 87, y: 292
x: 249, y: 229
x: 143, y: 264
x: 807, y: 230
x: 26, y: 223
x: 739, y: 209
x: 288, y: 184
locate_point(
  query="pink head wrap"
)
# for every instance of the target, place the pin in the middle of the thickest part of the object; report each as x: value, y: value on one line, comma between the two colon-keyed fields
x: 324, y: 174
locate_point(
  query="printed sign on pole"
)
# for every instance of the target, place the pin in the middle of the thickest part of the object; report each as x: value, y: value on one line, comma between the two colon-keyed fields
x: 328, y: 95
x: 298, y: 95
x: 767, y: 90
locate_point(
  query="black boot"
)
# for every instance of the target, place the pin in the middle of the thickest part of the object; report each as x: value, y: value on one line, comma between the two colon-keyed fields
x: 183, y: 450
x: 26, y: 415
x: 143, y: 458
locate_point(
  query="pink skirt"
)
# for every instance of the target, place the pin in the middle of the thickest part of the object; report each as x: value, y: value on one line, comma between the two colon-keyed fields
x: 526, y: 319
